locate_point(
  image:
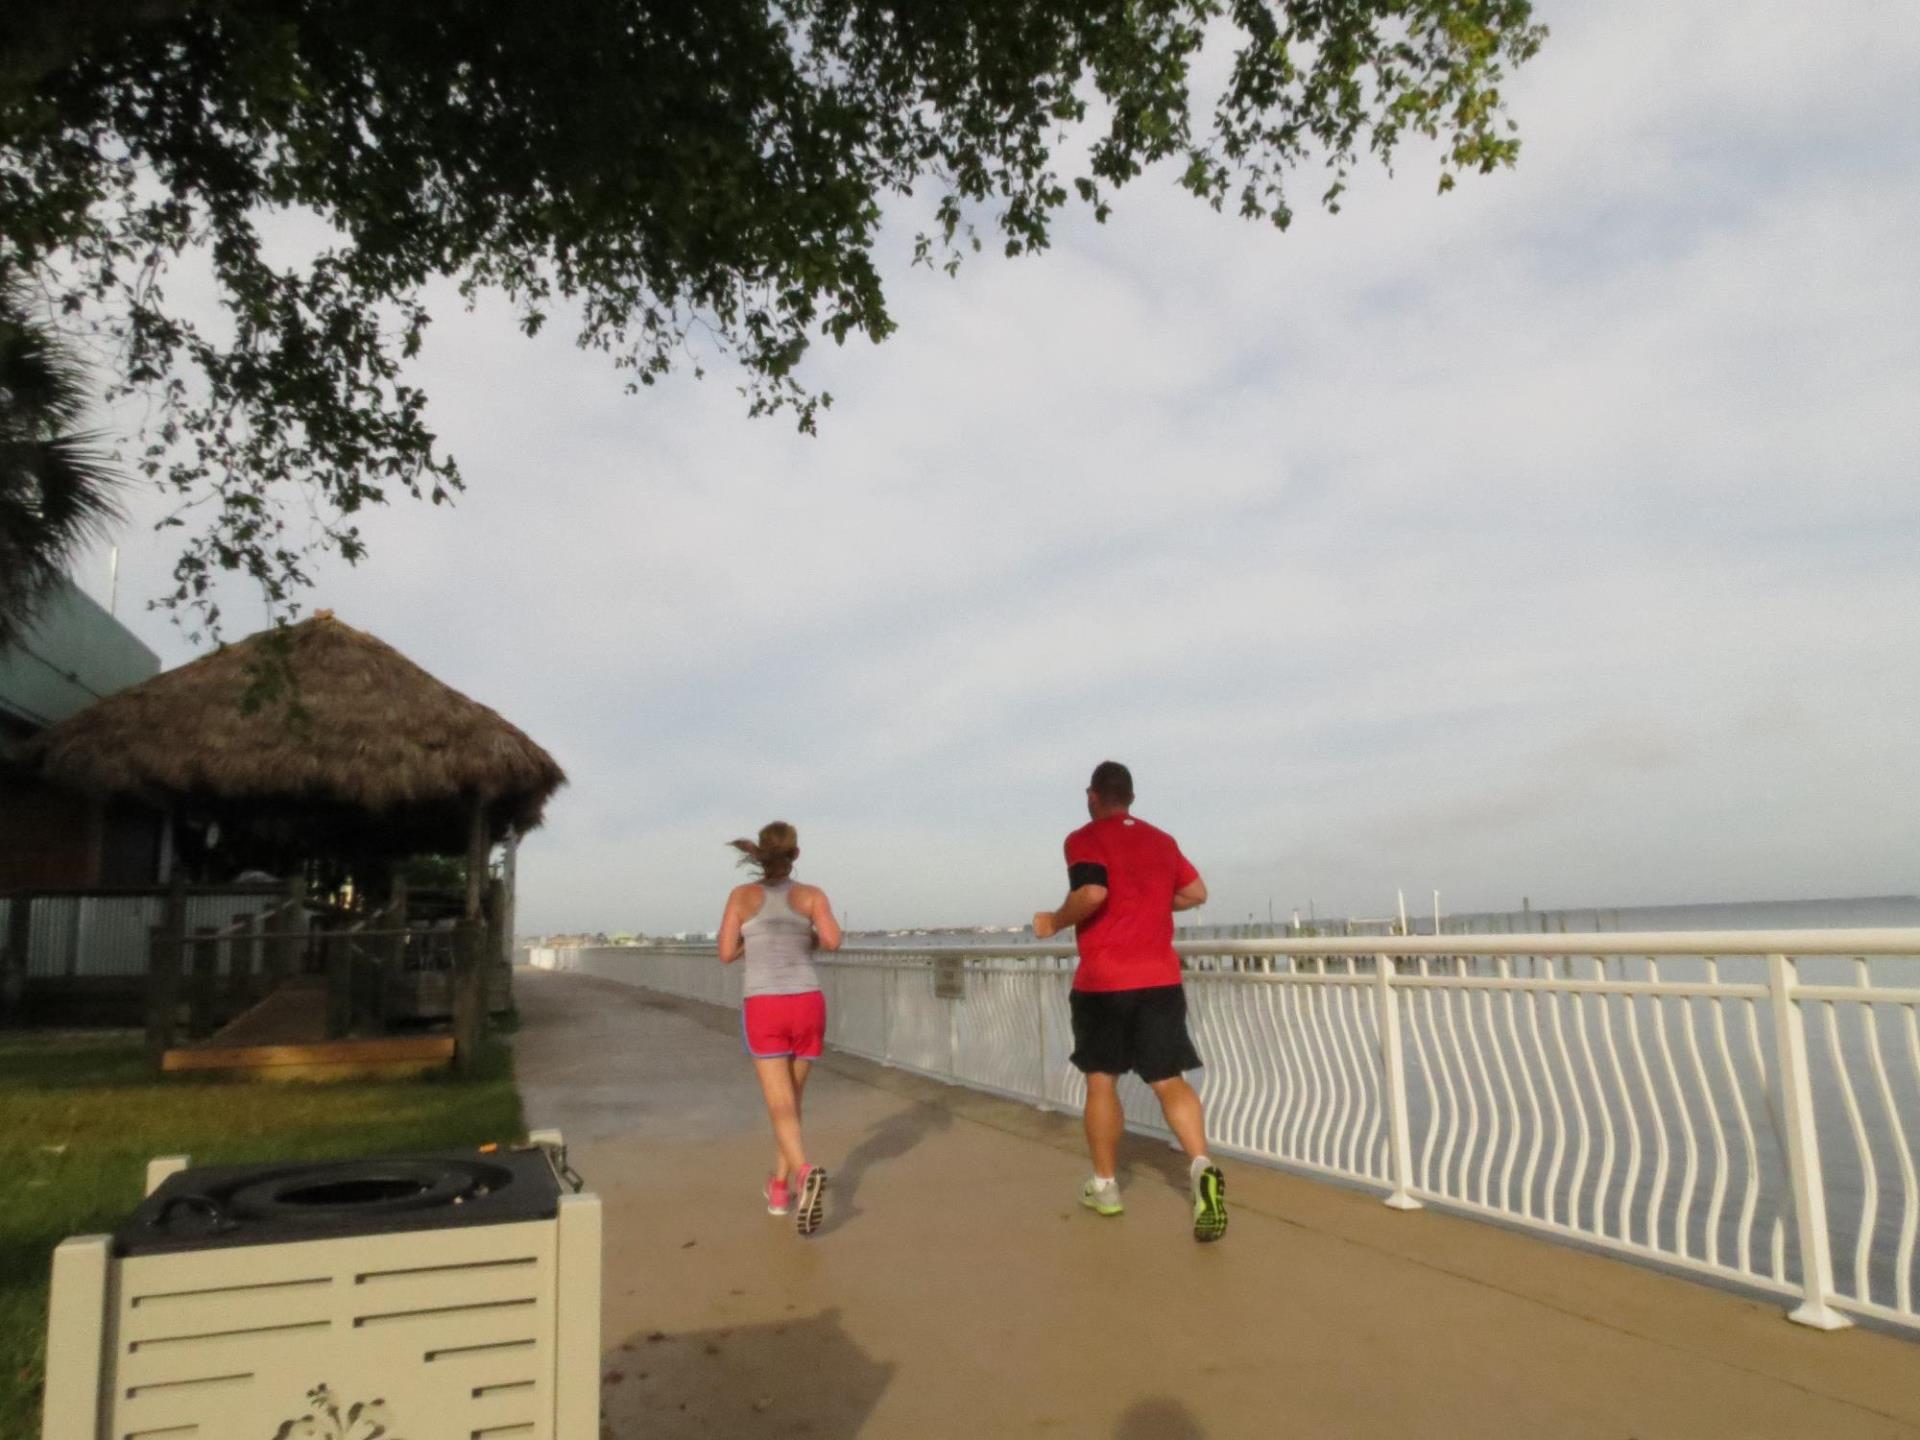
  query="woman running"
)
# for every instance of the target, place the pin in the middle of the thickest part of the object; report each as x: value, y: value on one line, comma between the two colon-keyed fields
x: 778, y: 925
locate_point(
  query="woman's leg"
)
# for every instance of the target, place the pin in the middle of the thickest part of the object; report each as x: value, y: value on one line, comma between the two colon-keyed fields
x: 777, y: 1086
x: 797, y: 1070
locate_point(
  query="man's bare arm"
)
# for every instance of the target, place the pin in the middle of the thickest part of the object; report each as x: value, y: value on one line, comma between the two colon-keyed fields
x: 1190, y: 895
x: 1080, y: 906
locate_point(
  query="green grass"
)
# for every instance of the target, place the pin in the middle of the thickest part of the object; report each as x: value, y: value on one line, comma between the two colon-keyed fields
x: 80, y: 1118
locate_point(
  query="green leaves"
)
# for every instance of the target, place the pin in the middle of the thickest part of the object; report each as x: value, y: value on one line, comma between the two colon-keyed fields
x: 655, y: 168
x: 57, y: 486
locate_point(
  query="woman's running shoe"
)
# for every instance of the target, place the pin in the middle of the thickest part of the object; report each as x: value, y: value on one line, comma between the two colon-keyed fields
x: 1209, y: 1204
x: 1102, y: 1196
x: 778, y: 1200
x: 808, y: 1209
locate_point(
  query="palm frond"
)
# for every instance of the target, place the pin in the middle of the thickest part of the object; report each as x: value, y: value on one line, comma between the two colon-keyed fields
x: 58, y: 486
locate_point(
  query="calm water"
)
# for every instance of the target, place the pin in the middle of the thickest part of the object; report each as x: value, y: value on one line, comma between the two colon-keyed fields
x: 1881, y: 911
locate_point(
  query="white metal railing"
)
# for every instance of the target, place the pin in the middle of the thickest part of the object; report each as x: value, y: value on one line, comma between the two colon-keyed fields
x: 1744, y: 1104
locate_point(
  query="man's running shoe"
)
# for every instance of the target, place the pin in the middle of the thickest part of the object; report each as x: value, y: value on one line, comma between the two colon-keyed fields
x: 778, y: 1200
x: 1102, y: 1197
x: 808, y: 1208
x: 1209, y: 1205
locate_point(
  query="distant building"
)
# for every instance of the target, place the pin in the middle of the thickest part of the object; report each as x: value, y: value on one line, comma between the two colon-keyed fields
x: 53, y: 838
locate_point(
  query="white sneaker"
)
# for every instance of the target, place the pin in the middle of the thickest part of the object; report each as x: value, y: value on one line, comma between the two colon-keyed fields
x: 1102, y: 1197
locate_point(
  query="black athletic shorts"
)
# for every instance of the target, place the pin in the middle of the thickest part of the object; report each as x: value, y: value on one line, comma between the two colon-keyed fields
x: 1145, y: 1031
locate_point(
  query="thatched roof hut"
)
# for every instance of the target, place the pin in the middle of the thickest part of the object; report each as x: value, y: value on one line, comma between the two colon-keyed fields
x: 372, y: 750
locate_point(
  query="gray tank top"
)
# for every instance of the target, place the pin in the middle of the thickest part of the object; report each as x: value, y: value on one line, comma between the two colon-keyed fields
x: 779, y: 945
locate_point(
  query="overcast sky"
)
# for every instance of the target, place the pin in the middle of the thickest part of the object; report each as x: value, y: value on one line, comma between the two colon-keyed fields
x: 1558, y: 537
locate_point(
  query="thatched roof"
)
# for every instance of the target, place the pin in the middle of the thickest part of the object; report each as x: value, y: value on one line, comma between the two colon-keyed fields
x: 370, y: 737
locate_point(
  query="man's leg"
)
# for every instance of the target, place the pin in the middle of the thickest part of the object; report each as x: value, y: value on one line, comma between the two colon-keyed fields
x: 1105, y: 1122
x: 1181, y: 1106
x: 1180, y: 1103
x: 1169, y: 1053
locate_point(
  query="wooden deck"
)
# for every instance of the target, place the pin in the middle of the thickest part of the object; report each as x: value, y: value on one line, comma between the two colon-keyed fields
x: 383, y: 1057
x: 284, y: 1037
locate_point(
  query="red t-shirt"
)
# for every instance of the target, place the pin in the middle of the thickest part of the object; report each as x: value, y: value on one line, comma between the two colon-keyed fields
x: 1127, y: 944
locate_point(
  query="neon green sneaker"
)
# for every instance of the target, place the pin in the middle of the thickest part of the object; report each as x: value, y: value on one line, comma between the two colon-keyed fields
x: 1209, y: 1205
x: 1102, y: 1197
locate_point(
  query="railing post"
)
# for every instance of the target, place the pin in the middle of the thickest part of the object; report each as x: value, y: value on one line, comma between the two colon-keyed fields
x: 1042, y: 1097
x: 202, y: 994
x: 166, y: 958
x: 1394, y: 1083
x: 13, y: 960
x: 1801, y: 1140
x: 242, y: 943
x: 886, y: 1015
x: 953, y: 1017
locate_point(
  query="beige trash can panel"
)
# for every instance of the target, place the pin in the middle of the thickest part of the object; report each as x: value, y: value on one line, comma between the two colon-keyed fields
x: 447, y: 1332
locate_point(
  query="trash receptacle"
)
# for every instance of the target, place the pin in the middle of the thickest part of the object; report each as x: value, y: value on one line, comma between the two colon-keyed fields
x: 411, y: 1297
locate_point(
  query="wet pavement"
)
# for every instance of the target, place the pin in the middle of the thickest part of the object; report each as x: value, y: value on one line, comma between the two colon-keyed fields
x: 957, y: 1288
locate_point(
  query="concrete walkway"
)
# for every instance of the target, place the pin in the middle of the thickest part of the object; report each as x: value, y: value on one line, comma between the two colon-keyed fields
x: 958, y: 1289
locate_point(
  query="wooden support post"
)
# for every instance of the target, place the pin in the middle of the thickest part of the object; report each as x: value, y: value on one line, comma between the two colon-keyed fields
x: 510, y: 873
x: 13, y: 961
x: 369, y: 975
x: 283, y: 959
x: 338, y: 948
x: 166, y: 956
x: 273, y: 925
x: 204, y: 990
x: 469, y: 966
x: 498, y: 981
x: 242, y: 947
x: 393, y: 953
x: 477, y: 848
x: 469, y: 998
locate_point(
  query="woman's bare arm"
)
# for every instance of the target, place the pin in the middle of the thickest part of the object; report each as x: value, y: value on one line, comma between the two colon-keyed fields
x: 819, y: 910
x: 730, y: 923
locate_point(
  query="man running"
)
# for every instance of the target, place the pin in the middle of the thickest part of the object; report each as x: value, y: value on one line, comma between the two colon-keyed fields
x: 1125, y: 879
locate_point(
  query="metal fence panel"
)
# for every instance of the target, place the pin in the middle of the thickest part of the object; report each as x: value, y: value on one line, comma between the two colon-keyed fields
x: 1758, y: 1125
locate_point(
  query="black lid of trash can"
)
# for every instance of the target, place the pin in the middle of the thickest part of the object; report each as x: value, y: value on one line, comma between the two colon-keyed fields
x: 216, y: 1206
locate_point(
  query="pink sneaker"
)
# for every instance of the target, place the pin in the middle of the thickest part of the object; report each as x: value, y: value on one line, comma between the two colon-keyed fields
x: 778, y: 1202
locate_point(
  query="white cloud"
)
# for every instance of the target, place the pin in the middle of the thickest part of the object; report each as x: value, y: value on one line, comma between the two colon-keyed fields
x: 1554, y: 537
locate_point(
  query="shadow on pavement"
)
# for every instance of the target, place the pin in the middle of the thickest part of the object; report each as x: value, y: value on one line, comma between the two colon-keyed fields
x: 888, y: 1140
x: 1160, y: 1418
x: 803, y: 1376
x: 1145, y: 1155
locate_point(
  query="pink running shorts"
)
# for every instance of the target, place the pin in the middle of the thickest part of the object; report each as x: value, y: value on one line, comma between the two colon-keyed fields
x: 784, y: 1025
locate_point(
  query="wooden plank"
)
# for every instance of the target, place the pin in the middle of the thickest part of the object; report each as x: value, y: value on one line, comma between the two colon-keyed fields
x: 330, y: 1052
x: 351, y: 1070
